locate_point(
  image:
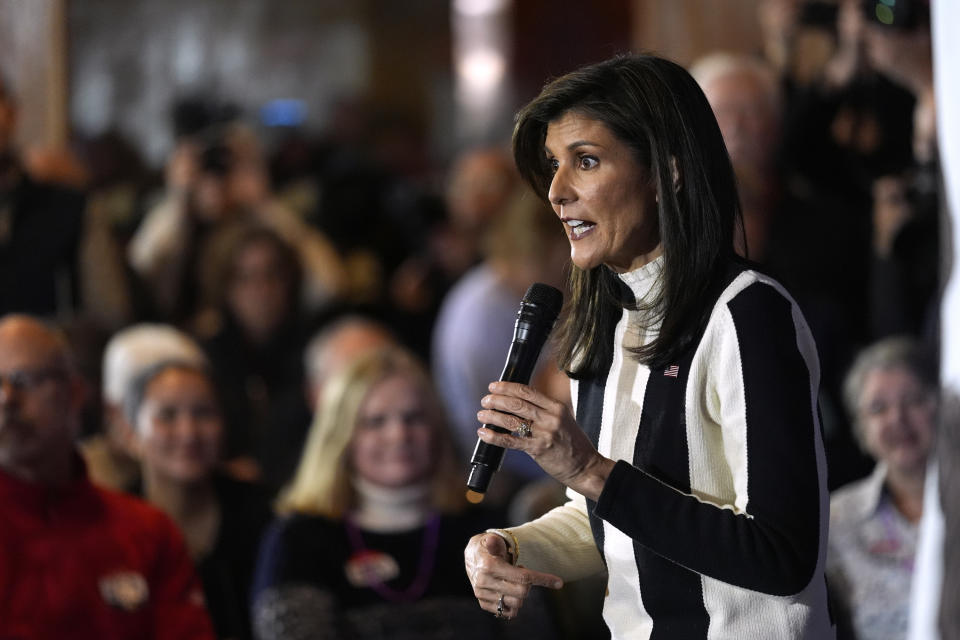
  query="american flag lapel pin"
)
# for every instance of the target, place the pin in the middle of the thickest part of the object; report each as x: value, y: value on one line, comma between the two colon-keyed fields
x: 672, y: 371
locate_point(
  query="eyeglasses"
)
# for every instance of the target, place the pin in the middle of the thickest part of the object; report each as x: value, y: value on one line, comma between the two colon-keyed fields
x: 908, y: 402
x: 30, y: 380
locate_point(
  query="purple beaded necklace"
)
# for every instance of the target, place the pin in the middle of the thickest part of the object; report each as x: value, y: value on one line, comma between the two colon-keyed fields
x: 428, y: 555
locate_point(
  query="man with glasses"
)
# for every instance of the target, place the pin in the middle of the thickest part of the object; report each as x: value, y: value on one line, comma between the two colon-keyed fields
x: 76, y: 561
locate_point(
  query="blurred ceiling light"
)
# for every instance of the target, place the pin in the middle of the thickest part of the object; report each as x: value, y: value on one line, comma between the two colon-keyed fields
x: 481, y: 59
x: 481, y: 70
x: 475, y: 8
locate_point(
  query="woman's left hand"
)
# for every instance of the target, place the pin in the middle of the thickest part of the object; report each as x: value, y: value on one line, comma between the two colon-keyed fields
x: 555, y: 441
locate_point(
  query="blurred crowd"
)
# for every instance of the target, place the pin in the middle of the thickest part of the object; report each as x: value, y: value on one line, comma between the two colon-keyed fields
x: 284, y: 333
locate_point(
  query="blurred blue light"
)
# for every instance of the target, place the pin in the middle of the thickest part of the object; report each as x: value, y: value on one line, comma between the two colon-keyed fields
x: 283, y: 112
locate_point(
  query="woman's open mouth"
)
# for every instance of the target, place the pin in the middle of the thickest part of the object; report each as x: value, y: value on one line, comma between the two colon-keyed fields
x: 579, y: 228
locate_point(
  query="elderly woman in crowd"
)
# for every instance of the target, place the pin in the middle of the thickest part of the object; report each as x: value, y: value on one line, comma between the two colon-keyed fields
x: 128, y: 353
x: 891, y: 394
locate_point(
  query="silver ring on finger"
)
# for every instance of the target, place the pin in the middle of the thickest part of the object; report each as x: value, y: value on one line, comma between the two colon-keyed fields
x: 500, y: 606
x: 524, y: 430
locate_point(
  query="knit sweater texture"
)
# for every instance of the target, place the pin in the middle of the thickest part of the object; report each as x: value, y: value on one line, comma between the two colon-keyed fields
x: 713, y: 523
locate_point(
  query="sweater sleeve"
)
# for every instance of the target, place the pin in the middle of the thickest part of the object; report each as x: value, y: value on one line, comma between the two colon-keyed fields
x: 560, y: 542
x: 156, y: 251
x: 287, y: 602
x: 758, y: 388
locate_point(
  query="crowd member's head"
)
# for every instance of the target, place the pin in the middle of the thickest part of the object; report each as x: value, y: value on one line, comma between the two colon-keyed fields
x: 41, y: 397
x: 254, y: 277
x: 120, y: 566
x: 217, y: 165
x: 899, y: 47
x: 481, y: 182
x: 379, y: 423
x: 178, y: 426
x: 525, y: 244
x: 336, y: 346
x: 667, y: 190
x: 897, y: 42
x: 745, y: 96
x: 128, y: 353
x: 798, y: 37
x: 891, y: 394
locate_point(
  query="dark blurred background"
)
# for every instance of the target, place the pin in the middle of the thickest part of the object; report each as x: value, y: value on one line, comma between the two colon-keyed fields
x: 84, y: 66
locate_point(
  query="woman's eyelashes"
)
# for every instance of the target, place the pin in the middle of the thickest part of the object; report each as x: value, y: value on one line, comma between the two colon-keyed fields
x: 587, y: 161
x: 584, y: 161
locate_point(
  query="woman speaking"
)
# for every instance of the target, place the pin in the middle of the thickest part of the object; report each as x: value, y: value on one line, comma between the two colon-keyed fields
x: 694, y: 462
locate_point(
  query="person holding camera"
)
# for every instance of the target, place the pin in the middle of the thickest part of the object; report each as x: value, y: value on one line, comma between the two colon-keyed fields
x: 215, y: 178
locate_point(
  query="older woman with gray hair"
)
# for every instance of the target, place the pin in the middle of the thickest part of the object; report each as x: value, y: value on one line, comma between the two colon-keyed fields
x: 890, y: 392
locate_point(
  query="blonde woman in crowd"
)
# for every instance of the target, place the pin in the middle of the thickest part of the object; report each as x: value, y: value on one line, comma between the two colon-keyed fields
x: 370, y: 537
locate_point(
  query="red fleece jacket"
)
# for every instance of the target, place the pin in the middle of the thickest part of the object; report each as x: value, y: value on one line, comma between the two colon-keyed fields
x: 83, y: 562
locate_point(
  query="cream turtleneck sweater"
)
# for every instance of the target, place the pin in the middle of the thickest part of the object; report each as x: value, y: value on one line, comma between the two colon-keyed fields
x: 387, y: 509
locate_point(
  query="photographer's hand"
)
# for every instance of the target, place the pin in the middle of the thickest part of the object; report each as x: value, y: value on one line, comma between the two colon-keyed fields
x: 183, y: 167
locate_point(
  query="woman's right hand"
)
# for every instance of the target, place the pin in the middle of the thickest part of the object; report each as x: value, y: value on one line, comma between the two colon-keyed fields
x: 493, y: 577
x: 183, y: 167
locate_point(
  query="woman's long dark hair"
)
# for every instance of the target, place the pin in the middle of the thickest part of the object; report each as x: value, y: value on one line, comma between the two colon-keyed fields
x: 655, y: 107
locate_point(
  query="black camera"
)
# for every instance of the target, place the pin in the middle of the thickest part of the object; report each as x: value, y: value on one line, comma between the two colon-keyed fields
x: 216, y: 158
x: 820, y: 14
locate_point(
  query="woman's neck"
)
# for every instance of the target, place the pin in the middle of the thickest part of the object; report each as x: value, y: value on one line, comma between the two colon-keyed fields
x: 906, y: 492
x: 177, y: 499
x: 193, y: 507
x: 386, y: 509
x: 644, y: 282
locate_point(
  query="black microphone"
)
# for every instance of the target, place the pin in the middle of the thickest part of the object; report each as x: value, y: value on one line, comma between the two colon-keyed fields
x: 538, y: 311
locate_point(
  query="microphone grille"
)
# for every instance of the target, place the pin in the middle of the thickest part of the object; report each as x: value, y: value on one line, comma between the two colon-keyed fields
x: 548, y: 298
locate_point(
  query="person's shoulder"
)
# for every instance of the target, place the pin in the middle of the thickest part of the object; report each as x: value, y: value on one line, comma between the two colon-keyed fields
x: 125, y: 503
x: 303, y: 528
x: 477, y: 286
x: 52, y: 203
x: 135, y: 515
x: 751, y: 289
x: 855, y: 501
x: 755, y: 307
x: 476, y: 308
x: 53, y: 192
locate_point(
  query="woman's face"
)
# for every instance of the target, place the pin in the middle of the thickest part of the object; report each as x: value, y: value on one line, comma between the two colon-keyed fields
x: 392, y: 443
x: 179, y: 427
x: 259, y: 290
x: 604, y: 197
x: 897, y: 417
